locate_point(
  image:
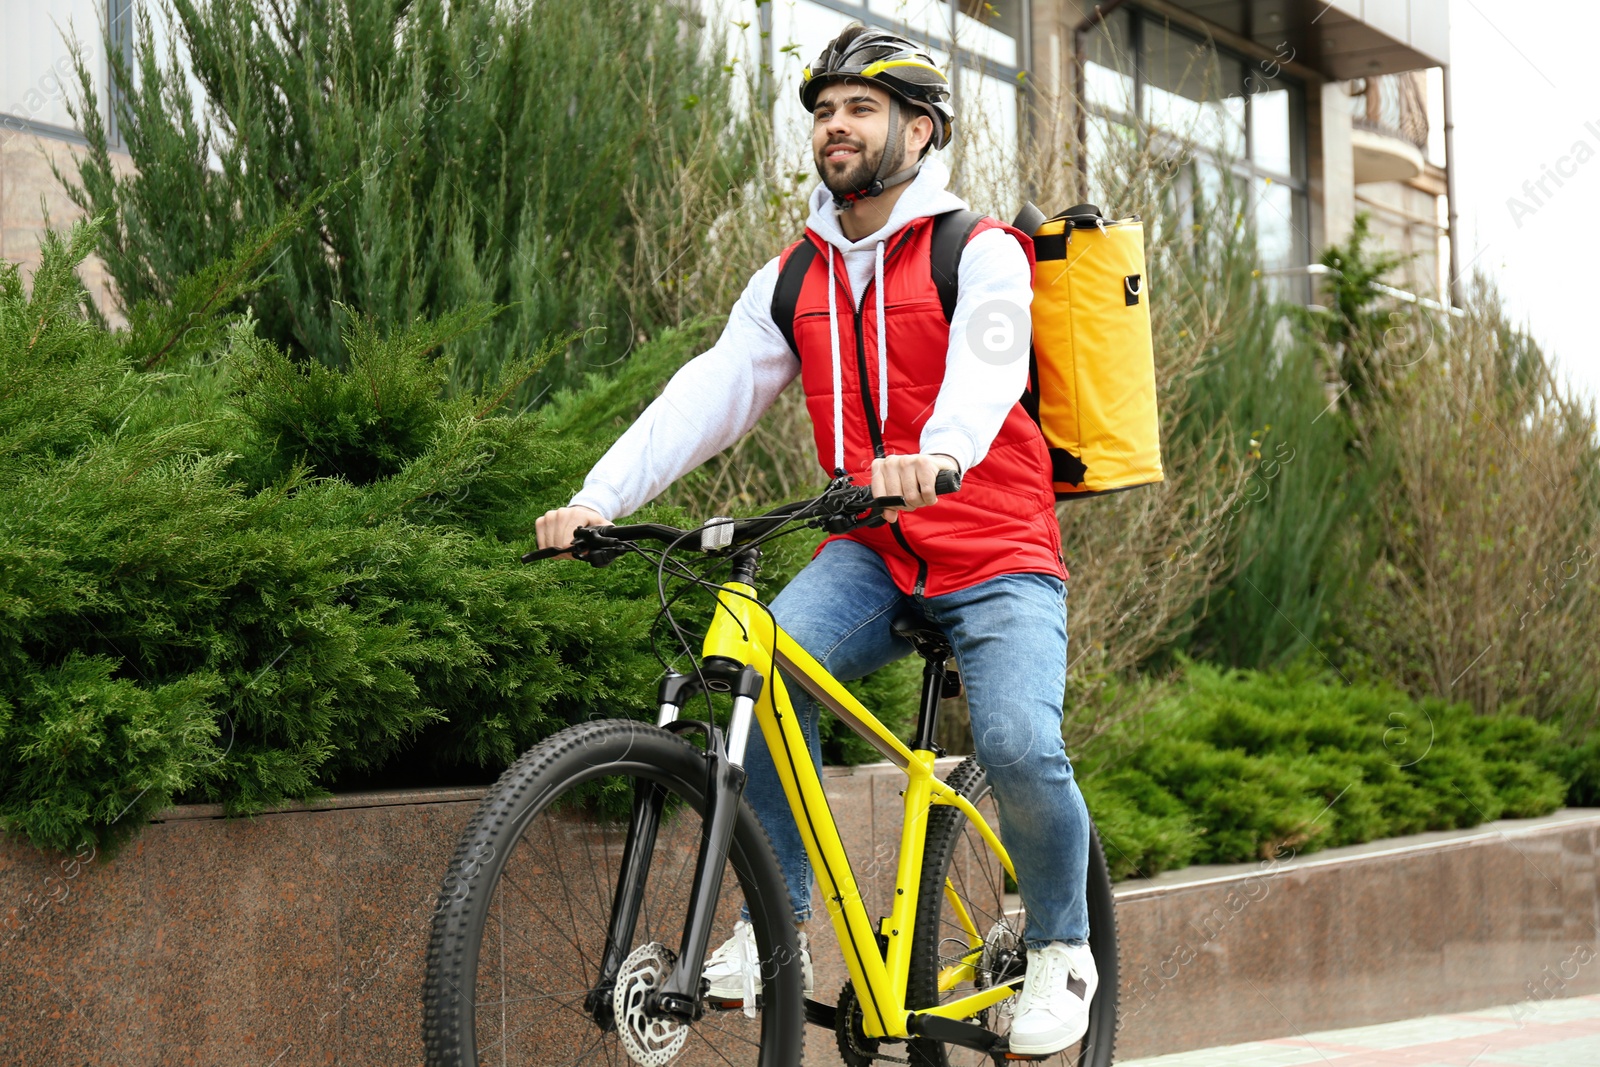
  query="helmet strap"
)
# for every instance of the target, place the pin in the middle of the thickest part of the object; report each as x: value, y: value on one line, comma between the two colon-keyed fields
x: 879, y: 183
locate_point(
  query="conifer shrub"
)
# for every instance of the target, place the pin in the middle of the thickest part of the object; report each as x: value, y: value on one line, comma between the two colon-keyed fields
x: 535, y: 155
x: 1234, y: 766
x: 242, y: 578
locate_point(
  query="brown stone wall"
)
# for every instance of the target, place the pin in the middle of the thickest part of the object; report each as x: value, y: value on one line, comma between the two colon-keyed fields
x: 297, y: 938
x: 1391, y: 930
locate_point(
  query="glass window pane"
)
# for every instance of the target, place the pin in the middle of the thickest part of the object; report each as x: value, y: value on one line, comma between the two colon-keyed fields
x: 991, y: 28
x: 1192, y: 92
x: 920, y: 19
x: 1108, y: 75
x: 1218, y: 197
x: 1003, y: 15
x: 1270, y: 131
x: 1275, y: 223
x: 1108, y: 141
x: 37, y: 78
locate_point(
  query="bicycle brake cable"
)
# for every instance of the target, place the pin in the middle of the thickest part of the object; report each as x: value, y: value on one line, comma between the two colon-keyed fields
x: 664, y: 557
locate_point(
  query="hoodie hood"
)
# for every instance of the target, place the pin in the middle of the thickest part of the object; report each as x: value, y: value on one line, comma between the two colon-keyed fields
x: 926, y: 194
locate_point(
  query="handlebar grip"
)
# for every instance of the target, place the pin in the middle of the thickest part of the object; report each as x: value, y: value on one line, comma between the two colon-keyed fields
x: 586, y: 540
x: 946, y: 482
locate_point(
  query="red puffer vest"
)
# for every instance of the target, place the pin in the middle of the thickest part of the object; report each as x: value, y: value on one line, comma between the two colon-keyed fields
x: 1002, y: 521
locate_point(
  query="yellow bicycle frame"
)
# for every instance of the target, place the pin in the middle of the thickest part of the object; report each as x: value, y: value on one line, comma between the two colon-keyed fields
x: 743, y: 630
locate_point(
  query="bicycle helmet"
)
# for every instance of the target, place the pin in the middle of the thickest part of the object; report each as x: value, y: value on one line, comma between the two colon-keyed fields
x: 899, y: 66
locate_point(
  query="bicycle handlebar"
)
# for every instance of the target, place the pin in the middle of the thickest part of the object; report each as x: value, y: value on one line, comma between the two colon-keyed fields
x: 841, y: 500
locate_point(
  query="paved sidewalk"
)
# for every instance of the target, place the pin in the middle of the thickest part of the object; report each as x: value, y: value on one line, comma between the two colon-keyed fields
x: 1537, y: 1033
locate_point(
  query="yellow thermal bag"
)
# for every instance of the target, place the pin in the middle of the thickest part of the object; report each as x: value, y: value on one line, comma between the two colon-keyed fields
x: 1093, y: 381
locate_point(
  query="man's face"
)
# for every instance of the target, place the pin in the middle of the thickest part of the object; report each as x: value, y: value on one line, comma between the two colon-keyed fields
x: 848, y: 129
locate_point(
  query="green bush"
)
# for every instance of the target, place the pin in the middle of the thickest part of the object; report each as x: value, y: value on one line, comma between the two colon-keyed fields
x: 1234, y: 766
x: 243, y: 579
x: 247, y: 579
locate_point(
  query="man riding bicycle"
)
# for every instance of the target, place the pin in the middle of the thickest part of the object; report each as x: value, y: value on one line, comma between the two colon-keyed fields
x: 897, y: 393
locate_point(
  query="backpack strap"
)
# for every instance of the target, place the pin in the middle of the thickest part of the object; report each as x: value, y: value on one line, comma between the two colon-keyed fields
x: 951, y: 231
x: 786, y: 294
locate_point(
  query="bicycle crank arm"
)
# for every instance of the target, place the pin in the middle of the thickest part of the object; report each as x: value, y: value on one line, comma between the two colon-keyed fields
x: 967, y: 1035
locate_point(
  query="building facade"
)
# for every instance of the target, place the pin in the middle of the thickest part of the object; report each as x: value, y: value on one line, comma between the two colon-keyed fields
x: 1318, y: 109
x: 39, y: 133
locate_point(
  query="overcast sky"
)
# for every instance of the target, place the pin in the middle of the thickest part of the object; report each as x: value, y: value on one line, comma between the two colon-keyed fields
x: 1527, y: 107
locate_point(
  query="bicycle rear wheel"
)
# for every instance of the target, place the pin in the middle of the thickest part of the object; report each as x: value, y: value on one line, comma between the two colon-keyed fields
x: 954, y: 850
x: 521, y: 924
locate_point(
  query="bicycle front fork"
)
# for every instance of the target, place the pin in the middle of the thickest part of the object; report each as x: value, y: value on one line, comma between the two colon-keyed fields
x: 679, y: 997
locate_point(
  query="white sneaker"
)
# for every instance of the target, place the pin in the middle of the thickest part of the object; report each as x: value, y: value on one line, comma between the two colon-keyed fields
x: 734, y: 969
x: 1053, y: 1009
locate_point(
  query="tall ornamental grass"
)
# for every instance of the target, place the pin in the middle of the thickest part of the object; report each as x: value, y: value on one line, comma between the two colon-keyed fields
x: 1487, y: 585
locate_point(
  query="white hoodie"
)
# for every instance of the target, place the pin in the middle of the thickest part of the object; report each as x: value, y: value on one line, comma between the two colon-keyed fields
x: 717, y: 397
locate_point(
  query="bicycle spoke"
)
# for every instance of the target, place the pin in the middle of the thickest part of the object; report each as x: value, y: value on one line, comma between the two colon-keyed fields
x: 720, y: 1054
x: 506, y: 1037
x: 566, y: 888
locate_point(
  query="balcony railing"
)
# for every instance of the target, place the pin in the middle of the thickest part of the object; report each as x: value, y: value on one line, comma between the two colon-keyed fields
x: 1392, y: 105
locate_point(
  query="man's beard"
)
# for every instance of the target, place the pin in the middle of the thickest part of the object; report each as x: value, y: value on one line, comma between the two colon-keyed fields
x: 854, y: 176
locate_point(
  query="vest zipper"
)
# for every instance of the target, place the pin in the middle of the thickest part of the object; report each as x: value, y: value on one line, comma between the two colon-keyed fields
x: 874, y: 431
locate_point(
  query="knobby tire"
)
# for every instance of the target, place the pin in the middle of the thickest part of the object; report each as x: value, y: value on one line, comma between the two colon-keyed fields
x: 549, y: 906
x: 954, y: 848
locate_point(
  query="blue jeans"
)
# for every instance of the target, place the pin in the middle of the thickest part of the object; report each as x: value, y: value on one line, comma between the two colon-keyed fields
x: 1009, y: 636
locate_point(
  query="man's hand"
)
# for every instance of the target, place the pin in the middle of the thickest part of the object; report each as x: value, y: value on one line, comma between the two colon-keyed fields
x: 555, y: 527
x: 910, y: 477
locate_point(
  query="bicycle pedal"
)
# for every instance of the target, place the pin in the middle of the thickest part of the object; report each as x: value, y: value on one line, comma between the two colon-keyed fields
x: 1023, y: 1057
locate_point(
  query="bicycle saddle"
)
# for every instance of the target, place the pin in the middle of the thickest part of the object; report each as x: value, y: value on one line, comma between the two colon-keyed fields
x: 929, y: 641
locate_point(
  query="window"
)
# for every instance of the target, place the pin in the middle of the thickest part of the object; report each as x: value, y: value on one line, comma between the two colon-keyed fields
x: 1192, y: 93
x: 1243, y: 116
x: 119, y: 27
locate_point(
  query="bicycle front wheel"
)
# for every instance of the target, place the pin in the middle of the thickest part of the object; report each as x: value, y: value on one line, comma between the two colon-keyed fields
x: 965, y: 896
x: 520, y: 930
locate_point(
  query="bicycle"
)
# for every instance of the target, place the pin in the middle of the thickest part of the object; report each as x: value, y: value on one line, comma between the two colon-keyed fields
x: 603, y: 859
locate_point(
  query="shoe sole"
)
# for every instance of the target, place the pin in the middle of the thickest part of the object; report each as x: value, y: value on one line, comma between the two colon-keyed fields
x: 1011, y: 1055
x: 1042, y: 1053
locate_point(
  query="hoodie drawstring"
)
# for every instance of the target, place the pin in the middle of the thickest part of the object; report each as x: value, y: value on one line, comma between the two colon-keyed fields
x: 838, y: 370
x: 883, y: 349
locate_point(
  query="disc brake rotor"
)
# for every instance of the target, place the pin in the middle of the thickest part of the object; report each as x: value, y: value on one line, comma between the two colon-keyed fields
x: 649, y: 1040
x: 1002, y: 960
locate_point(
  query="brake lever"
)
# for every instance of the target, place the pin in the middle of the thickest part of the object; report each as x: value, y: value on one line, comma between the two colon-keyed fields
x: 871, y: 516
x: 871, y: 513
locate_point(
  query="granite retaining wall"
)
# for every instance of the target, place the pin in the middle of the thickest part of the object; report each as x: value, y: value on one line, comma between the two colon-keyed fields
x: 297, y: 937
